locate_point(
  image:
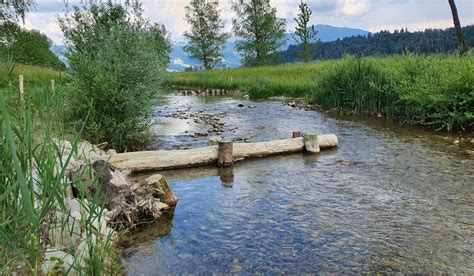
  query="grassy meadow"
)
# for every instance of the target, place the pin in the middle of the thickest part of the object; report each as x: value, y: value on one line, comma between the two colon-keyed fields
x: 435, y: 90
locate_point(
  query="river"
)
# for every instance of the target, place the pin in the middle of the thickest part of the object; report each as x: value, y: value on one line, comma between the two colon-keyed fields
x: 388, y: 199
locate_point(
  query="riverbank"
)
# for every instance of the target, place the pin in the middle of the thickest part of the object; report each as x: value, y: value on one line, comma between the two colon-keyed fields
x: 46, y: 226
x: 436, y: 91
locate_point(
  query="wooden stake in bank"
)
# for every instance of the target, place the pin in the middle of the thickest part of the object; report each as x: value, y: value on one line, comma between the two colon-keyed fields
x: 22, y: 87
x: 225, y: 154
x: 296, y: 134
x: 52, y: 85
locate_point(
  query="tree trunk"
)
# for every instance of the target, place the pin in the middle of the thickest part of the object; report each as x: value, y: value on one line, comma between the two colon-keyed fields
x: 457, y: 24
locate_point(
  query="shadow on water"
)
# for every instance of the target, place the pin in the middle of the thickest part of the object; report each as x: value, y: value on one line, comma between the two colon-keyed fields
x: 386, y: 200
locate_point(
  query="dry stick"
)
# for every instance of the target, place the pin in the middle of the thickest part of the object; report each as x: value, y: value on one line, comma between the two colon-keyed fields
x: 22, y: 87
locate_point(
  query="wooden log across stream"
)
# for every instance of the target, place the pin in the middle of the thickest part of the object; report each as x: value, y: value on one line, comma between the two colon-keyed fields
x: 146, y: 161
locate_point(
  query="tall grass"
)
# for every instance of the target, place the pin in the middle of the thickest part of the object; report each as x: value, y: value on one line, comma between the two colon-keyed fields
x: 435, y: 90
x: 292, y: 80
x: 34, y: 75
x: 34, y: 183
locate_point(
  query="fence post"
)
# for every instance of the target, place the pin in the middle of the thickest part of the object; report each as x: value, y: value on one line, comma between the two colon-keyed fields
x: 22, y: 87
x: 52, y: 85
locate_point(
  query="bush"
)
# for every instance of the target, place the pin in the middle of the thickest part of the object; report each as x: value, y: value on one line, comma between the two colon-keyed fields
x: 438, y: 91
x: 357, y: 86
x: 26, y: 47
x: 118, y: 61
x: 435, y: 90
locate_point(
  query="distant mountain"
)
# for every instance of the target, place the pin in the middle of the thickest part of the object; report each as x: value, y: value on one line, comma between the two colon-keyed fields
x: 180, y: 60
x: 385, y: 43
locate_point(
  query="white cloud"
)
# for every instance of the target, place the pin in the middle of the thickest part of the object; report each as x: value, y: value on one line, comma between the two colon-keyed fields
x: 179, y: 61
x: 45, y: 22
x: 372, y: 15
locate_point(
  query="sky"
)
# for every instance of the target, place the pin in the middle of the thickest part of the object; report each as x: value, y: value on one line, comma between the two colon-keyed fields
x: 370, y: 15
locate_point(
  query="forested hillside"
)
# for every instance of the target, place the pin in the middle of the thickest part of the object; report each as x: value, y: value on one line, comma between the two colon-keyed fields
x: 386, y: 43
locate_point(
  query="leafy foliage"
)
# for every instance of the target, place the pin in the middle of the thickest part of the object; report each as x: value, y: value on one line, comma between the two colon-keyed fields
x: 26, y: 47
x: 305, y: 35
x: 385, y: 43
x: 436, y: 91
x: 205, y: 40
x: 260, y: 31
x: 119, y: 60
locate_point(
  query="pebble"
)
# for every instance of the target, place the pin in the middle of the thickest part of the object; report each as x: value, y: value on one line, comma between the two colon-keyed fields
x: 345, y: 162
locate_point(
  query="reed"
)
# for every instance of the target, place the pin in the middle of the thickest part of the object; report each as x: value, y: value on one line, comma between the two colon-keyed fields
x: 34, y: 184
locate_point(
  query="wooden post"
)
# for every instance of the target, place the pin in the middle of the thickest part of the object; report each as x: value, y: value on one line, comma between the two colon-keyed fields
x: 296, y: 134
x: 311, y: 143
x: 224, y: 154
x: 22, y: 87
x: 52, y: 85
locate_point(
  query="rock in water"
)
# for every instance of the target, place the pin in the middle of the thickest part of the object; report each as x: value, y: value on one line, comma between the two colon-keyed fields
x: 161, y: 185
x: 214, y: 140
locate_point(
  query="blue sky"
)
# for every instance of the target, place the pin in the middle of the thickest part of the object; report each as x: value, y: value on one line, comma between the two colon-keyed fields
x: 371, y: 15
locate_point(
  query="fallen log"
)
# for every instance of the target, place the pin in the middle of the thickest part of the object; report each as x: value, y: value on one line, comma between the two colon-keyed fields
x: 146, y: 161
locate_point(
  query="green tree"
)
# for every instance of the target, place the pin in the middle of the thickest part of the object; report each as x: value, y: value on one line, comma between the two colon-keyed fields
x: 26, y: 47
x: 118, y: 61
x: 260, y: 31
x: 305, y: 35
x: 205, y: 39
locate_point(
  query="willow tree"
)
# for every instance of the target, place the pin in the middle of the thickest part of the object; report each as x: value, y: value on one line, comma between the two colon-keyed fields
x: 305, y: 35
x: 463, y: 49
x: 261, y: 33
x: 206, y: 40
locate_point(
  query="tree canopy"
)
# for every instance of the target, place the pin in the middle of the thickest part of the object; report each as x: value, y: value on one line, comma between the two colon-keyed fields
x: 305, y: 35
x: 206, y: 40
x: 26, y: 47
x: 260, y: 32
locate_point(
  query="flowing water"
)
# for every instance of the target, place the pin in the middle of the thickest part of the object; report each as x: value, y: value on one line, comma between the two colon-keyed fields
x: 387, y: 199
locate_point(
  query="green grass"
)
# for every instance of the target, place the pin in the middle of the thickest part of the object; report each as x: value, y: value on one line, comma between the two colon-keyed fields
x: 436, y: 90
x: 33, y: 181
x: 294, y: 80
x: 33, y: 75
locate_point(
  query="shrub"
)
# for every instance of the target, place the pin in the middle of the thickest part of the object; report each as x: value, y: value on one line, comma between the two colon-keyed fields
x: 118, y: 61
x: 438, y: 91
x: 357, y: 86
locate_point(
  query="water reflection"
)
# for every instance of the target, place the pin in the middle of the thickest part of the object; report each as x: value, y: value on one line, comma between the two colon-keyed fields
x: 226, y: 175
